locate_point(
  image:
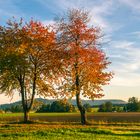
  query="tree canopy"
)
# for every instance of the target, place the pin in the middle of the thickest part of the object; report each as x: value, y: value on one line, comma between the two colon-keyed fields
x: 28, y: 60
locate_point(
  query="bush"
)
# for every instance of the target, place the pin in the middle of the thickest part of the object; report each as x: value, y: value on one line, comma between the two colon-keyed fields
x: 106, y: 107
x: 44, y: 108
x: 57, y: 106
x: 88, y: 107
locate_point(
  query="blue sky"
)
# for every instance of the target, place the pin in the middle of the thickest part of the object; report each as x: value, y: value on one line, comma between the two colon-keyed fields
x: 119, y: 21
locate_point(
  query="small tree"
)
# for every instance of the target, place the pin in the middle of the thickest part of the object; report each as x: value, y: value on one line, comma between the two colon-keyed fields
x: 84, y: 63
x: 133, y: 104
x: 102, y: 108
x: 61, y: 106
x: 108, y: 106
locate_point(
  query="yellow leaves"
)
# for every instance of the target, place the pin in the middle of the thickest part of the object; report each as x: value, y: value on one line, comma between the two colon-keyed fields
x: 32, y: 54
x: 22, y: 48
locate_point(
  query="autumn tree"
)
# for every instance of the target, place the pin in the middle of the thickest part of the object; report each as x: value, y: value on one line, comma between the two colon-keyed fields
x: 106, y: 107
x: 28, y: 60
x: 85, y: 62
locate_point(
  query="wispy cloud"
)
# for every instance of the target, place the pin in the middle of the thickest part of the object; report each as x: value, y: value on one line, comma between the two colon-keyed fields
x: 127, y: 45
x: 8, y: 9
x: 126, y: 65
x: 48, y: 22
x: 133, y: 4
x: 135, y: 34
x: 98, y: 10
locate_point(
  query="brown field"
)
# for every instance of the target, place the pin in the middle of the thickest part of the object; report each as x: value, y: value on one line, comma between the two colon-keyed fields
x: 74, y: 117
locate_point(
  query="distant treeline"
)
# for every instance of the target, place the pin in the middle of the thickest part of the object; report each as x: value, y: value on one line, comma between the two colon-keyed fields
x: 133, y: 105
x: 40, y: 107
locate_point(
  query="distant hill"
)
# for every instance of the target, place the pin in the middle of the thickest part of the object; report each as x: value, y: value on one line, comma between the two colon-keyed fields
x: 99, y: 102
x: 92, y: 103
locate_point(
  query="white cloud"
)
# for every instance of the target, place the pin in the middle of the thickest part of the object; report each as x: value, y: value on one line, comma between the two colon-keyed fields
x: 126, y: 79
x: 125, y: 56
x: 135, y: 34
x: 122, y: 44
x: 48, y: 22
x: 98, y: 11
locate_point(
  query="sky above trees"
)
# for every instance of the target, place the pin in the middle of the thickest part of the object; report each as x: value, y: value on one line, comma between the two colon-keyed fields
x: 120, y: 24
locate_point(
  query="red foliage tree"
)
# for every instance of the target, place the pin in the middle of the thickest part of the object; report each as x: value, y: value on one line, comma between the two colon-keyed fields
x: 85, y: 63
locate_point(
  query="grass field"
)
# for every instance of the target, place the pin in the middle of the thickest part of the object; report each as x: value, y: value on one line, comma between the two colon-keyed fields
x: 43, y: 128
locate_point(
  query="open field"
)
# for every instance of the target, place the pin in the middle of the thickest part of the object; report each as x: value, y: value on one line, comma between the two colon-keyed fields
x: 73, y: 117
x: 61, y: 126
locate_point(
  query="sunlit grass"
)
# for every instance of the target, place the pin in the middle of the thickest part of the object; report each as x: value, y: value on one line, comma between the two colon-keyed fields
x: 71, y: 132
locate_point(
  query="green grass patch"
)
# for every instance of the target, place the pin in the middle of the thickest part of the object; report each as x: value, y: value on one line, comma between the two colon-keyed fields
x: 64, y: 132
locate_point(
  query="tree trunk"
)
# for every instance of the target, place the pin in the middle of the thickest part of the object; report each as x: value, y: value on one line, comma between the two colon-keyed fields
x: 25, y: 109
x: 33, y: 91
x: 26, y: 116
x: 24, y: 101
x: 81, y: 109
x: 78, y: 100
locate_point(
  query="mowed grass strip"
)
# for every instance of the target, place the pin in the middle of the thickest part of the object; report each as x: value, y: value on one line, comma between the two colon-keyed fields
x: 71, y: 132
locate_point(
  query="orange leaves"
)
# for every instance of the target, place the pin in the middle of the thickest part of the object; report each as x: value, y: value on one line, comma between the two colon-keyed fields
x: 86, y: 61
x: 31, y: 55
x: 65, y: 52
x: 39, y: 35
